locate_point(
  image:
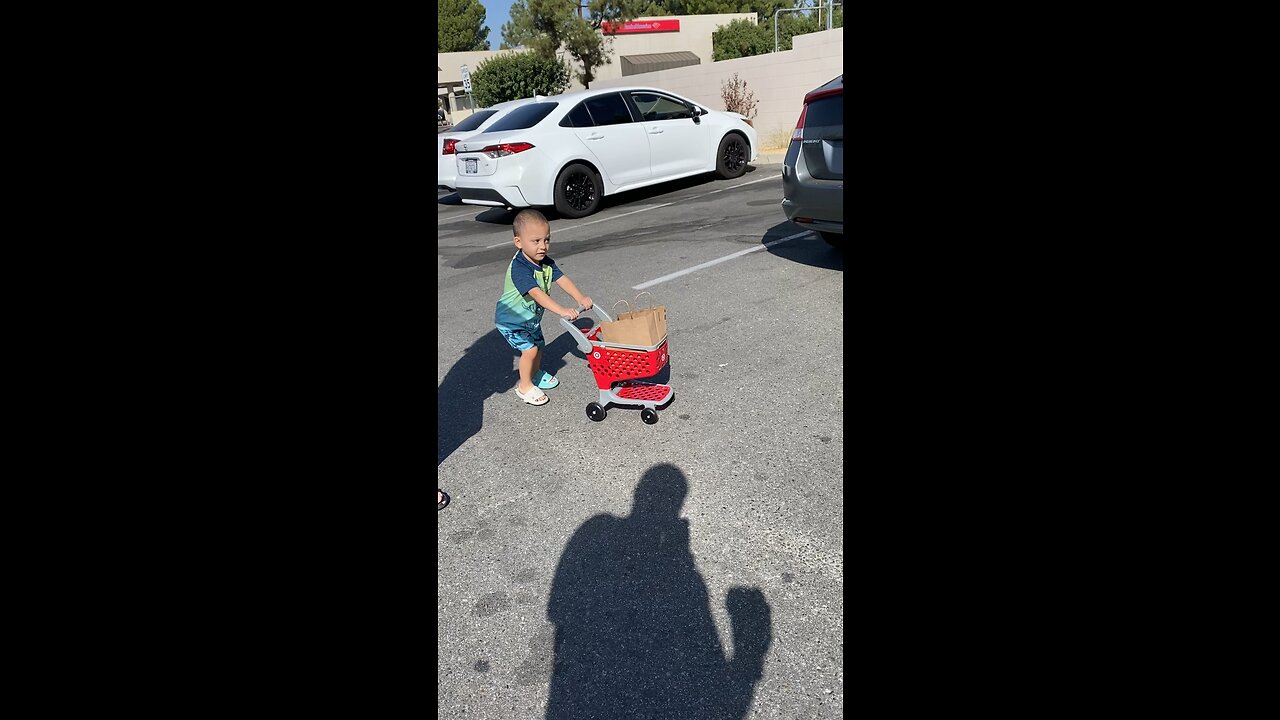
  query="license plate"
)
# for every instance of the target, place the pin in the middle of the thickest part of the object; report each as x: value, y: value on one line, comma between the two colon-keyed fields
x: 470, y: 166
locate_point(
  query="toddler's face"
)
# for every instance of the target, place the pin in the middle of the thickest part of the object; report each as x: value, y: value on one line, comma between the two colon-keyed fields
x: 534, y: 241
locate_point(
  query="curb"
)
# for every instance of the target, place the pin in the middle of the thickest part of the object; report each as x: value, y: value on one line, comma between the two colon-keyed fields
x: 771, y: 157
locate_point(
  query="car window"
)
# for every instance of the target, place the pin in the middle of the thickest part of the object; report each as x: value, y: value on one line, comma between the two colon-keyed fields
x: 608, y: 109
x: 523, y: 117
x: 659, y: 107
x: 825, y: 112
x: 474, y: 120
x: 577, y: 117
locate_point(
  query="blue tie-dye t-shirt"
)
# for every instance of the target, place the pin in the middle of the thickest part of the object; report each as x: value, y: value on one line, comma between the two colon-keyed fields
x: 515, y: 308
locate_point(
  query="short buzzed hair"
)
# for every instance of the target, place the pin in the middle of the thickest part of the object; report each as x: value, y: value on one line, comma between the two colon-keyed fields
x: 524, y: 218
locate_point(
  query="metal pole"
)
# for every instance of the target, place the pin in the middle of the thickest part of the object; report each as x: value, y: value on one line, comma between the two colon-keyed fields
x: 775, y: 23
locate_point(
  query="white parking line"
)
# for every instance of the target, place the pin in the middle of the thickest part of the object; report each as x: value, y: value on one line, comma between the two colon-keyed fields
x: 645, y: 209
x: 717, y: 261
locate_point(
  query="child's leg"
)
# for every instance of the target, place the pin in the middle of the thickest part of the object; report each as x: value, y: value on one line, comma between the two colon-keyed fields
x: 528, y: 366
x: 537, y: 361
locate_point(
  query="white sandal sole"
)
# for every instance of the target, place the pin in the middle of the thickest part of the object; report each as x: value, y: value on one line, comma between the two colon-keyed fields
x: 543, y: 400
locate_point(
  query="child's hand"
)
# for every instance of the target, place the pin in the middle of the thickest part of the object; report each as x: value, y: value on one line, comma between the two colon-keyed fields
x: 569, y: 314
x: 586, y: 303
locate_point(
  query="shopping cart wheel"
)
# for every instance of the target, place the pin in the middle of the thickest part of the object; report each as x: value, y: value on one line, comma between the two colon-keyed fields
x: 595, y: 412
x: 650, y: 417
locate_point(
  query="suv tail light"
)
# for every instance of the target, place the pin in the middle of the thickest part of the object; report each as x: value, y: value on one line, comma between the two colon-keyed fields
x: 504, y: 149
x: 448, y: 146
x: 798, y: 134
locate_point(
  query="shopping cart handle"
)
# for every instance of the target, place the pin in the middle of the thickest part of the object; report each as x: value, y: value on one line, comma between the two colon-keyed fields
x: 583, y: 343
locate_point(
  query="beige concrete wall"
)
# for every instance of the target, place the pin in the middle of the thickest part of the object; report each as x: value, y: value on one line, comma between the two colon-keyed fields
x: 779, y: 80
x: 694, y: 36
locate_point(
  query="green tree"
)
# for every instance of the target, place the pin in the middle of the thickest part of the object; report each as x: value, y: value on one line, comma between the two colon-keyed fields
x: 762, y: 8
x: 548, y: 26
x: 514, y: 75
x: 461, y: 26
x: 735, y: 40
x: 740, y: 38
x: 792, y: 24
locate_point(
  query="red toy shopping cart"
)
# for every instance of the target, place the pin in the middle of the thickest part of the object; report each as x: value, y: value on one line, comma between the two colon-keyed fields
x: 618, y: 368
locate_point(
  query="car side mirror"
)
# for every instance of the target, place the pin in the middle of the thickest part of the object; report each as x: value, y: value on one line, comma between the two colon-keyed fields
x: 696, y: 113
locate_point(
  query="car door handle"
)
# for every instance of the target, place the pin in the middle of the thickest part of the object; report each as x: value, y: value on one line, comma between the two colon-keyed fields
x: 655, y: 131
x: 595, y: 137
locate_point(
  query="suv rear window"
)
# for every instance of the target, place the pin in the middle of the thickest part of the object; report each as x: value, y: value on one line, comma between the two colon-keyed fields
x: 474, y: 120
x: 824, y: 112
x: 523, y: 117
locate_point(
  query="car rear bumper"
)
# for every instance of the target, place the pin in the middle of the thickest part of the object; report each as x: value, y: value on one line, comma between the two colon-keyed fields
x: 811, y: 223
x: 496, y: 197
x: 817, y: 210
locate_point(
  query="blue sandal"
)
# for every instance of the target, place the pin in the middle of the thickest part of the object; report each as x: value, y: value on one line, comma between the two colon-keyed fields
x: 546, y: 380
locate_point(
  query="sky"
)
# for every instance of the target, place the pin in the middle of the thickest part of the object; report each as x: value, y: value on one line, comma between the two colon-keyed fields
x: 495, y: 15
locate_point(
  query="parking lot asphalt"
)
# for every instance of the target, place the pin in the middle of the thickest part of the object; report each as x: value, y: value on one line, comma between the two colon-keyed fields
x: 693, y: 568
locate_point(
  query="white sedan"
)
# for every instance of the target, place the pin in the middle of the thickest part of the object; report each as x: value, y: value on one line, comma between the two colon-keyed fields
x: 569, y: 151
x: 474, y: 124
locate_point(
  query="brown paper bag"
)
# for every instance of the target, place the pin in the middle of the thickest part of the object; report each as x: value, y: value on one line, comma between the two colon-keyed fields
x: 625, y: 329
x: 655, y: 316
x: 627, y: 332
x: 647, y: 326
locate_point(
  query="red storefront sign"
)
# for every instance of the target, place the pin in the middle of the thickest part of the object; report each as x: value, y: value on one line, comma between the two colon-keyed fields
x: 640, y: 26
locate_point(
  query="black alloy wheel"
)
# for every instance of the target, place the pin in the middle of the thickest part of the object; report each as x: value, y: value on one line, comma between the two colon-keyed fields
x: 577, y: 191
x: 731, y: 160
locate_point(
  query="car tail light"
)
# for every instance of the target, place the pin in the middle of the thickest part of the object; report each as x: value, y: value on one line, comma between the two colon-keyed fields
x: 504, y: 149
x: 448, y: 146
x: 748, y: 122
x: 798, y: 134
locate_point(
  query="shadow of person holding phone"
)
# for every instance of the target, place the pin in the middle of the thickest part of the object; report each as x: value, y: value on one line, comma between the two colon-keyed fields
x: 634, y: 634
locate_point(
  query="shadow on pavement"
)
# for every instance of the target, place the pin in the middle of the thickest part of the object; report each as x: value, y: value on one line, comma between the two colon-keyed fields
x: 488, y: 367
x: 634, y: 634
x: 809, y: 250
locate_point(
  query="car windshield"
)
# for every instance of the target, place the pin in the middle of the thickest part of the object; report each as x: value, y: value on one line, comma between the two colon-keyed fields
x: 525, y: 116
x: 475, y: 120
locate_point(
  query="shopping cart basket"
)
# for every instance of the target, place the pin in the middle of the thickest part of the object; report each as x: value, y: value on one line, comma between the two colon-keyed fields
x: 617, y: 368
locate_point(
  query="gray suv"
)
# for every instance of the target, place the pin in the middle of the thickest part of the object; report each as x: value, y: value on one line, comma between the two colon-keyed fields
x: 813, y: 171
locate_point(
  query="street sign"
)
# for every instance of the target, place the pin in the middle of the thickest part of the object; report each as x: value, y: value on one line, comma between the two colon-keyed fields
x: 466, y: 79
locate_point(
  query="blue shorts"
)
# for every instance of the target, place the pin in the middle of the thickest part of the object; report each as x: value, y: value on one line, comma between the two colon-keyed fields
x: 523, y: 338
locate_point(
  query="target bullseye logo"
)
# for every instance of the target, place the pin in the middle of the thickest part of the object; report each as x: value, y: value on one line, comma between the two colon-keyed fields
x: 596, y: 354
